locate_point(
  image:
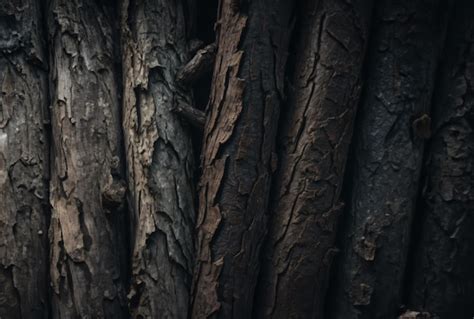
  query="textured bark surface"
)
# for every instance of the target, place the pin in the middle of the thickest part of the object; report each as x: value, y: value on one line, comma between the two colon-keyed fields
x: 443, y: 279
x: 314, y: 140
x: 87, y: 187
x: 160, y: 157
x: 238, y: 155
x: 102, y: 120
x: 388, y: 153
x: 24, y: 213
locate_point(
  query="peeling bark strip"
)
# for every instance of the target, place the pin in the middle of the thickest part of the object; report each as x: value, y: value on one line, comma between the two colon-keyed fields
x: 87, y: 189
x: 443, y: 280
x: 388, y: 156
x: 315, y: 137
x: 238, y: 154
x: 160, y: 158
x: 23, y: 162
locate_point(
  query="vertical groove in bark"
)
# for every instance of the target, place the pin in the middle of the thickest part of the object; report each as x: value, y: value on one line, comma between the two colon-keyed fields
x: 87, y: 188
x: 314, y: 141
x: 23, y: 162
x: 238, y: 154
x: 388, y: 153
x: 443, y: 281
x: 159, y: 156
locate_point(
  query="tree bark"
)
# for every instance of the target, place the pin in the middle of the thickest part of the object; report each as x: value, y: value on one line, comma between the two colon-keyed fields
x: 238, y: 154
x: 101, y: 124
x: 315, y: 135
x: 443, y: 283
x: 159, y: 155
x: 389, y: 141
x: 24, y: 168
x: 87, y: 188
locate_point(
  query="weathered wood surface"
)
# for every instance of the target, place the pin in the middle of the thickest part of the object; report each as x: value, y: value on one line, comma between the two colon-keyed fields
x: 238, y: 154
x: 24, y: 168
x: 443, y: 283
x: 389, y: 142
x: 87, y: 182
x: 159, y: 155
x: 314, y: 138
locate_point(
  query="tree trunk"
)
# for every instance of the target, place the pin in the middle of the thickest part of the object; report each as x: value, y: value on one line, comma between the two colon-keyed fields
x: 102, y: 122
x: 87, y: 188
x: 314, y: 140
x: 24, y: 213
x: 238, y: 154
x: 160, y: 157
x: 389, y: 139
x: 443, y: 280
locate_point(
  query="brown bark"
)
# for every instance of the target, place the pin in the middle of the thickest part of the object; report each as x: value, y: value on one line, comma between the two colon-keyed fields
x: 443, y: 283
x: 24, y: 214
x: 388, y: 153
x: 238, y: 154
x: 314, y: 141
x: 74, y: 241
x: 87, y: 188
x: 160, y: 157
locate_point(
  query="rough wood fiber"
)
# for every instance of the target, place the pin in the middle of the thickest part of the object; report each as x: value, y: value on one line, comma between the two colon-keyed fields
x: 314, y: 141
x: 443, y: 279
x: 23, y: 162
x: 388, y: 156
x: 238, y: 154
x: 159, y: 156
x: 87, y: 187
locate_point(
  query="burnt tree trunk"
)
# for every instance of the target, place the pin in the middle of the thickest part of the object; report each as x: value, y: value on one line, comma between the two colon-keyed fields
x: 443, y: 283
x: 316, y: 131
x: 389, y: 139
x: 159, y: 155
x: 238, y: 154
x: 24, y: 168
x: 87, y: 182
x: 106, y: 106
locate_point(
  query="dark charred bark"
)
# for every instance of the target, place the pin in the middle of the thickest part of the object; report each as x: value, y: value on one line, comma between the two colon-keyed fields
x: 314, y: 140
x: 24, y: 164
x: 100, y: 131
x: 389, y: 141
x: 160, y: 157
x: 443, y: 279
x: 238, y: 154
x: 87, y: 185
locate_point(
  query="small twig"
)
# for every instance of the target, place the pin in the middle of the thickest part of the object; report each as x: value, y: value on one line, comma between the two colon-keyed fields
x: 199, y: 65
x: 195, y: 117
